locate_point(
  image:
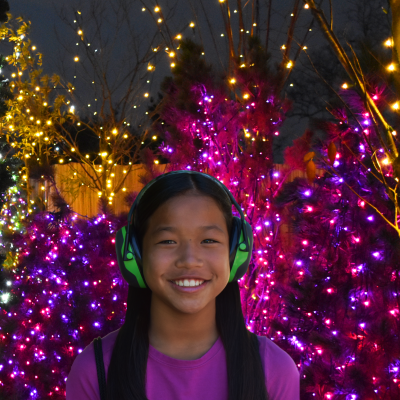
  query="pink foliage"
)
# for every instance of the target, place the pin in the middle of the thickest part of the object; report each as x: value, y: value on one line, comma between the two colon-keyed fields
x: 294, y: 155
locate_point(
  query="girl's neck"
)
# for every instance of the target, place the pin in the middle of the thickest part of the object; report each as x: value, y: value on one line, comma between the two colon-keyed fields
x: 180, y: 335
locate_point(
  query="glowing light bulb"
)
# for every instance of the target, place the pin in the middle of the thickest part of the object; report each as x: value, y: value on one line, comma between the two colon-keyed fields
x: 61, y: 160
x: 76, y: 59
x: 33, y: 48
x: 306, y: 6
x: 191, y: 24
x: 80, y: 32
x: 345, y: 86
x: 157, y: 9
x: 246, y: 96
x: 179, y: 37
x: 159, y: 20
x: 391, y: 67
x: 395, y: 106
x: 146, y: 95
x: 172, y: 54
x: 172, y: 65
x: 233, y: 80
x: 389, y: 42
x: 289, y: 64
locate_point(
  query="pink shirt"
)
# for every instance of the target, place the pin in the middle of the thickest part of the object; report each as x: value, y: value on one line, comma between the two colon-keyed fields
x: 171, y: 379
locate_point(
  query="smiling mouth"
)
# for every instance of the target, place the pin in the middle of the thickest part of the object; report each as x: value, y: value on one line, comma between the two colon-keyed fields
x: 189, y: 286
x: 189, y: 282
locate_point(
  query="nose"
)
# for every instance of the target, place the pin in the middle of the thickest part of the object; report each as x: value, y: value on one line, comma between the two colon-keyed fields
x: 189, y: 255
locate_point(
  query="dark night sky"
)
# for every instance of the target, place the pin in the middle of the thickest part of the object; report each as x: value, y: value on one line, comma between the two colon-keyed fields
x: 44, y: 17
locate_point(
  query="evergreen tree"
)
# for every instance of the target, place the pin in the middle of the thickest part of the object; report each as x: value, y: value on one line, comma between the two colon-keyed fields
x: 343, y: 297
x: 65, y: 290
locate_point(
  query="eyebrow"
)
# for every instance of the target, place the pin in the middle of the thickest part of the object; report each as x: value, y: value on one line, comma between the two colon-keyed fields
x: 162, y: 228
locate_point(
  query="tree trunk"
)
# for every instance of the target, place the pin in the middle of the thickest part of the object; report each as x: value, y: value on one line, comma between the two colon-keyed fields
x: 395, y: 6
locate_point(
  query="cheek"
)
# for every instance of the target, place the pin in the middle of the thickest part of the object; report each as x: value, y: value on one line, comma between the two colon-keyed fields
x: 153, y: 267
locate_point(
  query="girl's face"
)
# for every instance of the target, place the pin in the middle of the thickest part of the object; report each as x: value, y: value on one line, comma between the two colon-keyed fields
x: 187, y: 239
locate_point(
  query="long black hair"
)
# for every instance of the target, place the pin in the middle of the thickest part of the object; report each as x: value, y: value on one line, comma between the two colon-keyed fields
x: 127, y: 369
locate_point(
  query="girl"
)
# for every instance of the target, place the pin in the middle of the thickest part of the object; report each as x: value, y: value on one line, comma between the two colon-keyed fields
x: 184, y: 336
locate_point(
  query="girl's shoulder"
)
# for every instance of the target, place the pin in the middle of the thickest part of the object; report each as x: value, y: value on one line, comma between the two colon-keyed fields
x: 281, y: 373
x: 82, y: 379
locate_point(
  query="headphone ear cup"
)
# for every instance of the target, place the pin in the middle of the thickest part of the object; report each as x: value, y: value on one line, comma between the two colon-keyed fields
x: 234, y: 239
x: 239, y: 258
x: 129, y: 268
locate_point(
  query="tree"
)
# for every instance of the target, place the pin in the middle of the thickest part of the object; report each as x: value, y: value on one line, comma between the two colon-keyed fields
x: 36, y: 109
x: 343, y: 297
x: 114, y: 60
x: 381, y: 135
x: 65, y: 290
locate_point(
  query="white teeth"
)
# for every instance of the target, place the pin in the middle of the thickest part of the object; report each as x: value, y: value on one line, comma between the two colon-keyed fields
x: 188, y: 283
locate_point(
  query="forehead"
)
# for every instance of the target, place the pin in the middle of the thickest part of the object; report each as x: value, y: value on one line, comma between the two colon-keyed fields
x: 188, y: 209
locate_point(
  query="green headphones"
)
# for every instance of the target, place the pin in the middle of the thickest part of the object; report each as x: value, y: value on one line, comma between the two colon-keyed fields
x: 130, y: 259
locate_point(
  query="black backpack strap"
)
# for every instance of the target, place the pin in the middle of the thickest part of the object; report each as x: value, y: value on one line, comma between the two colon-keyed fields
x: 101, y: 375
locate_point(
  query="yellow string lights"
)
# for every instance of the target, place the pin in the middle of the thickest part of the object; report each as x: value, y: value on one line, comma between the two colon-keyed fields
x: 389, y: 42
